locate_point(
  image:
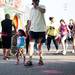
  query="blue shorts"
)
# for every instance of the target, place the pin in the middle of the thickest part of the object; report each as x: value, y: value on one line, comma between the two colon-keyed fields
x: 20, y: 46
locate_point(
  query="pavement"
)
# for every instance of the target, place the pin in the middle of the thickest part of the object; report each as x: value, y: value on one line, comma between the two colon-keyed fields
x: 54, y: 64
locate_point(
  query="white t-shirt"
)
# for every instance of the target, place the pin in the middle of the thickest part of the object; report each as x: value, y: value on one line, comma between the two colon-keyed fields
x: 37, y: 20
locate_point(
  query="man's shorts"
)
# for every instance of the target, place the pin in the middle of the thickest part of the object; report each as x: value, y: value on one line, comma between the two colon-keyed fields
x: 37, y: 35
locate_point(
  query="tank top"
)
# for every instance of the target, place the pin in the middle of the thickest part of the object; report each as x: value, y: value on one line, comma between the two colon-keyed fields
x: 63, y: 30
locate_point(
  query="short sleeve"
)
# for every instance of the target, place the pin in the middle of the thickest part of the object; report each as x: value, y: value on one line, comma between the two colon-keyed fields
x: 42, y: 6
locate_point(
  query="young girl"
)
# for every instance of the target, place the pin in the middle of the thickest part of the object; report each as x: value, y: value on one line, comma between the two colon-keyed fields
x: 20, y: 45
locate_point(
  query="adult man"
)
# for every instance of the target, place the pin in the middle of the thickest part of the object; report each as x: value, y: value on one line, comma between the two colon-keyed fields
x: 6, y: 35
x: 37, y: 29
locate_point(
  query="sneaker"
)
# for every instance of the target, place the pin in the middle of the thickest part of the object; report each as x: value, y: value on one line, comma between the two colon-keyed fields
x: 57, y: 51
x: 7, y: 58
x: 64, y: 52
x: 73, y: 51
x: 29, y: 63
x: 41, y: 62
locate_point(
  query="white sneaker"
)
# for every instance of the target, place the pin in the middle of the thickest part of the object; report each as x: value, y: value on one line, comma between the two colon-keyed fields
x: 64, y: 52
x: 73, y: 51
x: 57, y: 51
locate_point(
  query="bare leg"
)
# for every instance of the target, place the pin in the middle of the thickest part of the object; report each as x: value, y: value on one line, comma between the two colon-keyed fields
x: 63, y: 44
x: 74, y: 42
x: 4, y: 51
x: 40, y: 53
x: 17, y: 57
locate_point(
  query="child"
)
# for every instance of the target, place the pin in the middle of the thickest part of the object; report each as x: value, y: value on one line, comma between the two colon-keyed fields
x: 20, y: 45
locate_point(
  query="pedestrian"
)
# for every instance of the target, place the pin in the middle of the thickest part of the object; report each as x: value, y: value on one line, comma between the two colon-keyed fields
x: 73, y: 34
x: 27, y: 36
x: 37, y: 30
x: 35, y: 46
x: 70, y: 37
x: 21, y: 42
x: 64, y: 30
x: 13, y: 39
x: 6, y: 35
x: 52, y: 32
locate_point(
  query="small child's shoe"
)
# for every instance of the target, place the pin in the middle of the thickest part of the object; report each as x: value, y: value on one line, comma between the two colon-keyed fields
x: 29, y: 63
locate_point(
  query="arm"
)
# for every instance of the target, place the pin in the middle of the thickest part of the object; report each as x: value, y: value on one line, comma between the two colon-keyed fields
x: 27, y: 27
x: 73, y: 29
x: 68, y: 28
x: 42, y: 10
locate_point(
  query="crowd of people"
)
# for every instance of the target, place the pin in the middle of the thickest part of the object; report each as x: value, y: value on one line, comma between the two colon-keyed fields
x: 21, y: 42
x: 63, y: 33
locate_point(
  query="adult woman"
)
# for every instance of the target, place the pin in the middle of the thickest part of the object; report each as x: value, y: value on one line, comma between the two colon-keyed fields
x: 64, y: 32
x: 52, y: 32
x: 73, y: 34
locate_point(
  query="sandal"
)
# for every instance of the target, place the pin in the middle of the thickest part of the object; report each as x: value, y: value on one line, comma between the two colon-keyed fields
x: 41, y: 62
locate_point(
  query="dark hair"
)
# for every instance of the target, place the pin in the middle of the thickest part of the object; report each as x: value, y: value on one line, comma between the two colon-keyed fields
x: 62, y: 20
x: 71, y: 20
x: 35, y: 0
x: 50, y: 18
x: 7, y: 16
x: 22, y: 32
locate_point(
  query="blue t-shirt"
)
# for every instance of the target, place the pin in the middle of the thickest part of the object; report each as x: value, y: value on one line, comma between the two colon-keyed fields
x: 21, y: 42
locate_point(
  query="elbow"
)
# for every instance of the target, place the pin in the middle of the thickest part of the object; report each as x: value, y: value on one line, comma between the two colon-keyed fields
x: 43, y: 11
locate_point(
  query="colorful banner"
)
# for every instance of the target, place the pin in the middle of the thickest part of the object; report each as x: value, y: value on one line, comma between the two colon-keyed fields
x: 15, y: 21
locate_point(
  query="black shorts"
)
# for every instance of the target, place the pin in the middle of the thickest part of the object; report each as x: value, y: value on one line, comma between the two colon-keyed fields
x: 37, y: 35
x: 6, y: 42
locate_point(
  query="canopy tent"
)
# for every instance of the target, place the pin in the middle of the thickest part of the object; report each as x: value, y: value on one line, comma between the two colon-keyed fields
x: 17, y: 11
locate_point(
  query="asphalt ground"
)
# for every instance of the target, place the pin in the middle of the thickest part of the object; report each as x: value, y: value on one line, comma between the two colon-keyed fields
x: 54, y: 64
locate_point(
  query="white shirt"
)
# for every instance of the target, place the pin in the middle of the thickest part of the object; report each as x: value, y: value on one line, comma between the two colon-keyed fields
x: 37, y: 20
